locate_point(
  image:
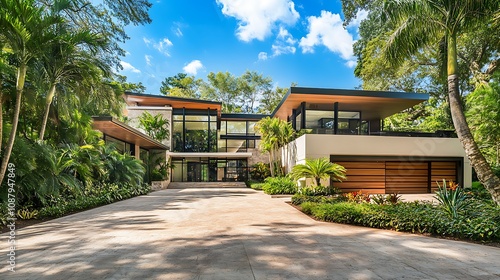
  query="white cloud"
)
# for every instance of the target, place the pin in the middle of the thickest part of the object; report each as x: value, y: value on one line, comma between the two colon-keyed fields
x: 360, y: 16
x: 163, y: 46
x: 177, y: 28
x: 256, y: 18
x: 193, y: 67
x: 284, y: 44
x: 148, y: 59
x: 327, y: 30
x: 178, y: 32
x: 128, y: 67
x: 351, y: 63
x: 262, y: 56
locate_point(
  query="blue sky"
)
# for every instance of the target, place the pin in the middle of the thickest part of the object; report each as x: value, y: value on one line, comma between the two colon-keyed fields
x: 288, y: 40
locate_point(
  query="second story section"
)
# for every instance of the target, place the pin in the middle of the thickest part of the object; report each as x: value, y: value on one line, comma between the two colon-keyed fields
x: 338, y: 111
x: 197, y: 126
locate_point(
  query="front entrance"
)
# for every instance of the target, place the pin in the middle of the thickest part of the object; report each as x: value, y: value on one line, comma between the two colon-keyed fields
x: 209, y: 170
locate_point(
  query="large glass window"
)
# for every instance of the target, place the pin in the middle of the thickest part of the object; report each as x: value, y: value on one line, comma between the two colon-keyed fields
x: 193, y: 131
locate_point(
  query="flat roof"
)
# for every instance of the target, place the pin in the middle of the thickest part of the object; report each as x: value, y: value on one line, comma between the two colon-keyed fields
x: 116, y: 129
x: 175, y: 102
x: 372, y: 104
x: 243, y: 116
x: 210, y: 155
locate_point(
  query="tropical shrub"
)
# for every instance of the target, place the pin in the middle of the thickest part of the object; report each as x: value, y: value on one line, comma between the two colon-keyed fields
x: 453, y: 200
x: 298, y: 199
x: 482, y: 224
x: 260, y: 171
x: 386, y: 198
x: 318, y: 169
x: 358, y: 197
x: 155, y: 126
x: 279, y: 185
x: 256, y: 185
x: 318, y: 190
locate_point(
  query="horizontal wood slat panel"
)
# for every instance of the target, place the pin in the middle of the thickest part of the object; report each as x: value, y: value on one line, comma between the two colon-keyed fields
x: 406, y: 165
x: 406, y: 172
x: 359, y: 185
x: 362, y: 164
x: 365, y: 172
x: 443, y: 165
x: 444, y: 172
x: 361, y: 178
x: 406, y: 179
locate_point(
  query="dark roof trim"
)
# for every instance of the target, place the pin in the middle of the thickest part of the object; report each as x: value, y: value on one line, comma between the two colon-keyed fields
x: 351, y: 92
x: 130, y: 129
x: 175, y: 98
x: 242, y: 116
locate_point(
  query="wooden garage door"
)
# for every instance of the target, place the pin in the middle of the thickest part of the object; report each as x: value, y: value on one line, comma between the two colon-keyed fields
x: 443, y: 170
x: 396, y: 176
x: 367, y: 176
x: 406, y: 177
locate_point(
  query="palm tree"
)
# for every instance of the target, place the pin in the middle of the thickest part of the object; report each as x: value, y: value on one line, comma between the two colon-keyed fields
x: 69, y: 58
x: 318, y: 169
x: 24, y: 26
x: 423, y: 23
x: 275, y: 133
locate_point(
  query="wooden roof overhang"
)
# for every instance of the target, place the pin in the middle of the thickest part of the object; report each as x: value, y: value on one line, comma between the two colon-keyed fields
x: 133, y: 99
x: 372, y: 104
x: 116, y: 129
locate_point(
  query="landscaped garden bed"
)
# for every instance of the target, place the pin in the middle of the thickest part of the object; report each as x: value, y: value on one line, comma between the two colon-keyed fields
x: 478, y: 219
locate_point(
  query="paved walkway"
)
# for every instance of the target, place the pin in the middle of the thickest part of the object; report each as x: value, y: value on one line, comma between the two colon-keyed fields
x: 231, y: 234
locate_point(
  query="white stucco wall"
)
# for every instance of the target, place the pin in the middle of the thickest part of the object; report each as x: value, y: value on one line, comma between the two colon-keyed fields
x: 315, y: 146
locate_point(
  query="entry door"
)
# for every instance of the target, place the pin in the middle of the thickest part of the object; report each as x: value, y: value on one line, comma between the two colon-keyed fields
x: 194, y: 172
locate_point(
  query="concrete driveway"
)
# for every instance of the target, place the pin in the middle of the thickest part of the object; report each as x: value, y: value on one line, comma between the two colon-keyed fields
x: 231, y: 234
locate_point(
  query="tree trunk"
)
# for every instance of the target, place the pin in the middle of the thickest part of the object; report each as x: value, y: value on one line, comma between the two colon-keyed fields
x: 21, y: 76
x: 271, y: 164
x: 477, y: 160
x: 48, y: 101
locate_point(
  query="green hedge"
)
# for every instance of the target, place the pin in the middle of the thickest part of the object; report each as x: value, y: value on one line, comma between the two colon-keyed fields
x: 298, y: 199
x: 482, y: 221
x: 256, y: 185
x: 93, y: 197
x: 279, y: 185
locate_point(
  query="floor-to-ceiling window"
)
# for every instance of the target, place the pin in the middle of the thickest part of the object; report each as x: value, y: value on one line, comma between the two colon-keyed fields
x: 194, y: 131
x: 202, y: 169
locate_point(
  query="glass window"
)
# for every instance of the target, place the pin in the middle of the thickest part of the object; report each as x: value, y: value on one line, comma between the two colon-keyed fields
x: 251, y: 128
x: 237, y: 127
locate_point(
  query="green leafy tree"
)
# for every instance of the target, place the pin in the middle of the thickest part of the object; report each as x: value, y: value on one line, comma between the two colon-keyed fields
x: 421, y: 23
x: 271, y: 99
x: 484, y: 119
x: 24, y: 29
x: 318, y: 169
x: 181, y: 85
x: 222, y: 87
x: 70, y: 56
x: 253, y: 87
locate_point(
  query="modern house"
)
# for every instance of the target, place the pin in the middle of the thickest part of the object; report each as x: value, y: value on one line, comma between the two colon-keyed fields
x: 206, y: 145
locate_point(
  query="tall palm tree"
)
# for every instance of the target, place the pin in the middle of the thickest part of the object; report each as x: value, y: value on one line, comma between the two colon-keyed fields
x: 24, y: 26
x: 275, y: 133
x: 68, y: 58
x: 317, y: 169
x: 423, y: 23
